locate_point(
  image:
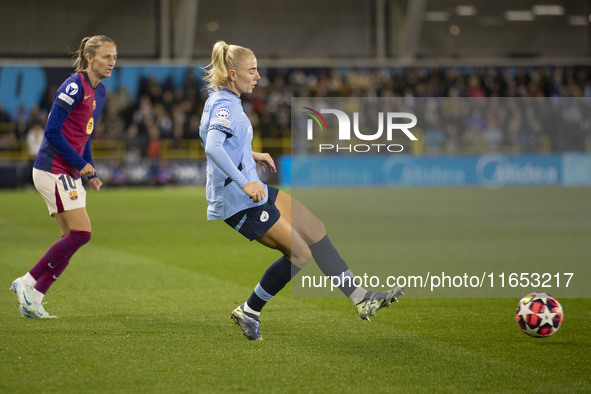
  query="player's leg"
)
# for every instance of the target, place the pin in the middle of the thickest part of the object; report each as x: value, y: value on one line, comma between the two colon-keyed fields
x: 312, y: 230
x: 269, y: 227
x: 66, y: 201
x: 329, y: 260
x: 307, y: 225
x: 283, y: 238
x: 64, y: 229
x: 295, y: 255
x: 76, y: 231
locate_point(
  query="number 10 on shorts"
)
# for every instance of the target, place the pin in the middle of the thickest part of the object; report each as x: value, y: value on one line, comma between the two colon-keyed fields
x: 67, y: 181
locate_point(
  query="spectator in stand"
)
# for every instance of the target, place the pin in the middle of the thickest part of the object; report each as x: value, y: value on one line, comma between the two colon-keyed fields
x: 5, y: 130
x: 172, y: 108
x: 33, y: 140
x: 135, y: 145
x: 4, y: 118
x: 493, y: 135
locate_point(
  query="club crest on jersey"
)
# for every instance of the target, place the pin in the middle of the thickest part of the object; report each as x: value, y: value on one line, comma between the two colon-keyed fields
x: 264, y: 216
x: 73, y: 195
x: 222, y: 113
x: 72, y: 89
x: 90, y: 126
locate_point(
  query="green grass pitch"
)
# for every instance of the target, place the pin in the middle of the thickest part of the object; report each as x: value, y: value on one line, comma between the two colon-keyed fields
x: 144, y: 306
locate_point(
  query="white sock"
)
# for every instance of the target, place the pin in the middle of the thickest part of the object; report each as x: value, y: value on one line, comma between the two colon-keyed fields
x: 357, y: 296
x: 37, y: 296
x: 29, y: 280
x: 250, y: 310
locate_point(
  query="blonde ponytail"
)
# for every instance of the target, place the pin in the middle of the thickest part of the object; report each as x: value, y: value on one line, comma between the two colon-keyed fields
x: 223, y: 58
x: 88, y: 45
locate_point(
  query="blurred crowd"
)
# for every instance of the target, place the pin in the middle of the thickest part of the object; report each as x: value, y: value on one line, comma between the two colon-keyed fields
x: 163, y: 113
x: 461, y: 125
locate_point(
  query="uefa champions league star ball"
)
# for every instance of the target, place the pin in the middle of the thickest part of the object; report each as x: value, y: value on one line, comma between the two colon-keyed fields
x: 539, y: 315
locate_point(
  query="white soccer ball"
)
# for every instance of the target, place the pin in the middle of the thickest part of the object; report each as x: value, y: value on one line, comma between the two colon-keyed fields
x: 539, y: 314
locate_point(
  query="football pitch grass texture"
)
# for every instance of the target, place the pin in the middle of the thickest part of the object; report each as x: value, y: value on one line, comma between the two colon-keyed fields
x: 464, y: 243
x: 144, y: 306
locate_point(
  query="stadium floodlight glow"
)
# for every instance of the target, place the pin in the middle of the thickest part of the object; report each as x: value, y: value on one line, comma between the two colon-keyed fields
x: 577, y: 20
x: 548, y: 9
x: 466, y: 10
x: 519, y: 16
x: 436, y: 16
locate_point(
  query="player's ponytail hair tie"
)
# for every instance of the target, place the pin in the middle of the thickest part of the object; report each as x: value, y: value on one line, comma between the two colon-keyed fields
x: 225, y: 49
x: 223, y: 58
x: 88, y: 45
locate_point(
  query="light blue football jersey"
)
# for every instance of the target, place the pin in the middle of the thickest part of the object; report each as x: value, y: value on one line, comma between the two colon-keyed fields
x: 223, y: 111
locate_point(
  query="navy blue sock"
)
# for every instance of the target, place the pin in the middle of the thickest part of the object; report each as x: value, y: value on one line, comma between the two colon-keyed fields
x: 274, y: 279
x: 332, y: 264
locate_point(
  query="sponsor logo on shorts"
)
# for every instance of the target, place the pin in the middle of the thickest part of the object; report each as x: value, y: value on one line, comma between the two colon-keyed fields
x: 264, y: 216
x: 73, y: 195
x: 222, y: 113
x: 65, y: 98
x: 72, y: 89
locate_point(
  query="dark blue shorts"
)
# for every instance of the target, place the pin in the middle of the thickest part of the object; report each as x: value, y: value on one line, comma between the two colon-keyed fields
x: 254, y: 222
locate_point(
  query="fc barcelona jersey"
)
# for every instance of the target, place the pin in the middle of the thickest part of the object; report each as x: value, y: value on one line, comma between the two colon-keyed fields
x: 83, y: 104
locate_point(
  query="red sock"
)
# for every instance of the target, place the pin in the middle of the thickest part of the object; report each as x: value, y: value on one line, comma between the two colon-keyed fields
x: 56, y: 259
x: 47, y: 279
